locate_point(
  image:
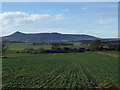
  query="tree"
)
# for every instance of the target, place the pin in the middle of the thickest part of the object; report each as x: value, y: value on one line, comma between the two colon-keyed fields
x: 4, y: 49
x: 28, y: 50
x: 31, y: 50
x: 34, y: 44
x: 55, y: 46
x: 66, y: 48
x: 111, y: 46
x: 118, y: 47
x: 25, y: 50
x: 41, y: 50
x: 95, y: 45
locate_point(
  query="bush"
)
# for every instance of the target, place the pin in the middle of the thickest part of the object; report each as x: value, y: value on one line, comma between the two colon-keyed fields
x: 41, y: 50
x: 5, y: 49
x: 28, y: 50
x: 55, y: 46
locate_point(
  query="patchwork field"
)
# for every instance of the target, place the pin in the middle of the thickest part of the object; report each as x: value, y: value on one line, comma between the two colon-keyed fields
x: 61, y: 70
x: 22, y: 46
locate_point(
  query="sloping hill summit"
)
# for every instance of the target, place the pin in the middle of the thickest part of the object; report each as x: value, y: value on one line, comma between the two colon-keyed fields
x: 47, y: 37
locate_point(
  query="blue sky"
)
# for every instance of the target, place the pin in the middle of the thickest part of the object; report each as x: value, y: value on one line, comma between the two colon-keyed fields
x: 93, y: 18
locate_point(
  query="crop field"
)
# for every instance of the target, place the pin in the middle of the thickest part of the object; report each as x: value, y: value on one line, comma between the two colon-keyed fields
x: 60, y: 70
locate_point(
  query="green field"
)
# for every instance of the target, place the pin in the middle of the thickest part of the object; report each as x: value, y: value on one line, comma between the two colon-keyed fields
x: 60, y: 70
x: 17, y: 46
x: 22, y: 46
x: 112, y: 52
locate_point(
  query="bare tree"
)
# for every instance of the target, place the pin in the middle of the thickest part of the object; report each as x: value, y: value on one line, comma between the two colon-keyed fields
x: 95, y: 45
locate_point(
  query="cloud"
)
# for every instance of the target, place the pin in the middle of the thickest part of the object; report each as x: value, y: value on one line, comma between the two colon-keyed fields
x: 25, y: 22
x: 95, y: 31
x: 102, y: 21
x: 12, y: 21
x: 106, y: 20
x: 66, y: 10
x: 106, y: 13
x: 84, y: 8
x: 16, y: 18
x: 59, y: 17
x: 111, y: 6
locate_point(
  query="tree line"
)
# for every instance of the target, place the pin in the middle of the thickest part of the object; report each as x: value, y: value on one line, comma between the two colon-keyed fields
x: 94, y: 46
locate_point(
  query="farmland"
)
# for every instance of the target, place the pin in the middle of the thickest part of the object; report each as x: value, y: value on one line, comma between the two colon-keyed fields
x: 18, y: 46
x: 22, y: 46
x: 60, y: 70
x: 59, y: 45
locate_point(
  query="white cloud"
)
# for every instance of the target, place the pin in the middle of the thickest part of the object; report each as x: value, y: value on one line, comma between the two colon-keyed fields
x: 12, y: 21
x: 111, y: 6
x: 99, y: 32
x: 107, y: 20
x: 84, y: 8
x: 101, y: 21
x: 66, y: 10
x: 106, y: 13
x: 59, y: 17
x: 16, y: 18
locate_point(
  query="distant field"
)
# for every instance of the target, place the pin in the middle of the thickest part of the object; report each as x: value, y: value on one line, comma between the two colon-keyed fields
x: 76, y: 46
x: 22, y: 46
x: 60, y: 70
x: 18, y: 46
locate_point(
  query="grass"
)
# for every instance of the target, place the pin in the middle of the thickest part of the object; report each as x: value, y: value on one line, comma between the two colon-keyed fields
x: 112, y: 52
x: 17, y: 47
x: 76, y: 46
x: 22, y: 46
x: 59, y: 70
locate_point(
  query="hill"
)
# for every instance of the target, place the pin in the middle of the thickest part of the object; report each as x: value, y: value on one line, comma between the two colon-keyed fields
x: 47, y: 37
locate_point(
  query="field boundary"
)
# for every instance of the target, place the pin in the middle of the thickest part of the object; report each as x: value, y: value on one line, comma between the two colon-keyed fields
x: 112, y: 55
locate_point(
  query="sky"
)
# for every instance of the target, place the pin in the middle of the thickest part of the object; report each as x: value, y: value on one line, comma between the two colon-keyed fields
x: 60, y: 0
x: 98, y: 19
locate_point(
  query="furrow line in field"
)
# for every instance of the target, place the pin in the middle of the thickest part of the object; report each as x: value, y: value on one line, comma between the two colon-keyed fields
x: 90, y: 78
x: 94, y: 82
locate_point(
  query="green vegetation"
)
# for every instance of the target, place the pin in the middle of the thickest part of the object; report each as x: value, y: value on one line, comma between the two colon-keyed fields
x: 76, y: 46
x: 22, y: 46
x: 60, y: 70
x: 18, y: 46
x: 4, y: 49
x: 112, y: 52
x: 55, y: 46
x: 95, y: 45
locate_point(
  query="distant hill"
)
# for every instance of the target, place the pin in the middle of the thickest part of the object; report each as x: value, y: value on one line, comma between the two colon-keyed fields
x: 47, y: 37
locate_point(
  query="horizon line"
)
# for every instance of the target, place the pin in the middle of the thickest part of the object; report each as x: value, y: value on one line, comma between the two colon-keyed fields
x: 56, y: 32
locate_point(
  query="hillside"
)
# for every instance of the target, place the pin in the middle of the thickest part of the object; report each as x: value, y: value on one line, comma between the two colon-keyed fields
x: 47, y: 37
